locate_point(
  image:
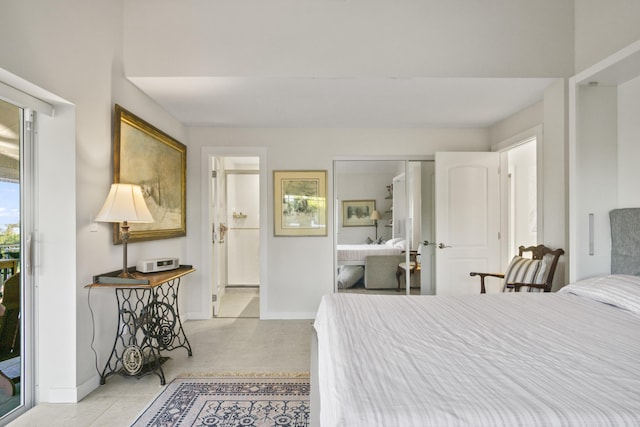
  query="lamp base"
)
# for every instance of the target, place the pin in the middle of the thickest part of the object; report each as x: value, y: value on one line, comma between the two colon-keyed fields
x: 124, y: 233
x: 125, y: 275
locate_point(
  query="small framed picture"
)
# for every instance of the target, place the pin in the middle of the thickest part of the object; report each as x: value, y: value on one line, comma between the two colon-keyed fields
x: 300, y: 203
x: 357, y: 213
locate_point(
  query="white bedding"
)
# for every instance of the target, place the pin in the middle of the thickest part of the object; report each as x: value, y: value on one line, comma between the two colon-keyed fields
x: 356, y: 254
x: 513, y: 359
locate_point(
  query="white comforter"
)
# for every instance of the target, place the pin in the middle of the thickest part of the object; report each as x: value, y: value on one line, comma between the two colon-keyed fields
x: 514, y: 359
x: 358, y: 253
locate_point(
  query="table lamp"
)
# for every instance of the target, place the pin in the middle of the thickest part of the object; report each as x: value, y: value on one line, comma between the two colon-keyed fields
x: 125, y: 204
x: 375, y: 216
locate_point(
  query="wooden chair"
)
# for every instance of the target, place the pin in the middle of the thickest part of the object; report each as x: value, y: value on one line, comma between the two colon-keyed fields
x: 7, y: 268
x: 535, y: 273
x: 10, y: 329
x: 414, y: 265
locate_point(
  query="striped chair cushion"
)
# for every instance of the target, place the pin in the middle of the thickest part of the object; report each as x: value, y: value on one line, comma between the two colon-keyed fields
x: 525, y: 270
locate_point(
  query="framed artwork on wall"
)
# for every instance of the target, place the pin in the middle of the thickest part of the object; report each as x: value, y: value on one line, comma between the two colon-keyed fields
x: 146, y: 156
x: 357, y: 213
x: 300, y: 203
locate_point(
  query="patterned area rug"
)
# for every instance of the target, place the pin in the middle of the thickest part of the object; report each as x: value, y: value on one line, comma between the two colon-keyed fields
x: 231, y: 401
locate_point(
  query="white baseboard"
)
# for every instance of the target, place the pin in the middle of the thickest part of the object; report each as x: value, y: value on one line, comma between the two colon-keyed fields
x: 287, y: 316
x: 197, y: 315
x: 263, y: 316
x: 70, y: 394
x: 88, y: 386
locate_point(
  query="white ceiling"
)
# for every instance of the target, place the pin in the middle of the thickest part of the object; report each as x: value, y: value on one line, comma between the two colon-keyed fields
x: 342, y: 102
x: 9, y: 130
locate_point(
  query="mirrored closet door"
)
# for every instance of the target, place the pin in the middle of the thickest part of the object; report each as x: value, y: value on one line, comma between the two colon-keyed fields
x: 383, y: 214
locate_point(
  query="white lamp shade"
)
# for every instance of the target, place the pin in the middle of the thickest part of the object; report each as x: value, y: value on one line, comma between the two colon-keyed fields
x: 375, y: 215
x: 124, y: 203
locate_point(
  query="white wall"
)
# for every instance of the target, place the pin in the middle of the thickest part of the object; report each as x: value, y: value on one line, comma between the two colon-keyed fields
x: 521, y: 121
x: 603, y: 145
x: 602, y: 28
x: 364, y: 186
x: 403, y: 38
x: 555, y: 230
x: 628, y: 146
x: 299, y: 268
x: 596, y: 180
x: 523, y: 168
x: 72, y: 49
x: 552, y: 185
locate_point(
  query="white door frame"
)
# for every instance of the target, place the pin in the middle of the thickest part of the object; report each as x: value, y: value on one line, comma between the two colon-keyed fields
x: 207, y: 153
x: 502, y: 148
x: 28, y: 190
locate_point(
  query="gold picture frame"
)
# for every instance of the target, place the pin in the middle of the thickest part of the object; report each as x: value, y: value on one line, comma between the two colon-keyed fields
x: 300, y: 203
x: 357, y: 213
x: 146, y: 156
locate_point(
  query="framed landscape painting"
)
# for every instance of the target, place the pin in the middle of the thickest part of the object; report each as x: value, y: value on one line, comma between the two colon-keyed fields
x: 146, y: 156
x: 300, y: 203
x: 357, y: 213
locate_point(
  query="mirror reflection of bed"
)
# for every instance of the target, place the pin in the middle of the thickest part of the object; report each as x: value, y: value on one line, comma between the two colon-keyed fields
x: 368, y: 253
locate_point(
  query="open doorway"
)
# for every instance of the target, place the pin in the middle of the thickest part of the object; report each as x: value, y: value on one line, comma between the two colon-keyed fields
x: 236, y: 235
x: 520, y: 191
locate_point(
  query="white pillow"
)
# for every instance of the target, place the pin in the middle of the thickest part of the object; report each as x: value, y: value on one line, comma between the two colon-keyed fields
x: 402, y: 244
x: 620, y: 290
x: 392, y: 242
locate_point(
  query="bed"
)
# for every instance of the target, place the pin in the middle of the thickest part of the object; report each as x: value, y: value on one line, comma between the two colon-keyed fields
x: 356, y: 254
x: 374, y: 264
x: 526, y: 359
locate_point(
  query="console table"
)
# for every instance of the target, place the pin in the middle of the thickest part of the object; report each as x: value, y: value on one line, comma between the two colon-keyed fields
x: 148, y: 322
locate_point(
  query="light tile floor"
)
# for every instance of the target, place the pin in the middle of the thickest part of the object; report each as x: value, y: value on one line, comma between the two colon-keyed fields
x: 219, y: 345
x: 240, y: 302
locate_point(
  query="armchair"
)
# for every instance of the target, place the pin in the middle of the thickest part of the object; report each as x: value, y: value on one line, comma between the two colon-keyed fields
x: 535, y: 273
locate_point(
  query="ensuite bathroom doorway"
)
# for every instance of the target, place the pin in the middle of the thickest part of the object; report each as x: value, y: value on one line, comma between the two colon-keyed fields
x: 236, y: 236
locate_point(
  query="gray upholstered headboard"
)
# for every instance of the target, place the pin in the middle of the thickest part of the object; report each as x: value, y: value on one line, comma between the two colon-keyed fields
x: 625, y: 241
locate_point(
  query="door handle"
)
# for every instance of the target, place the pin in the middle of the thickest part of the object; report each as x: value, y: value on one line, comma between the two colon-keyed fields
x: 30, y: 252
x: 223, y: 232
x: 442, y: 246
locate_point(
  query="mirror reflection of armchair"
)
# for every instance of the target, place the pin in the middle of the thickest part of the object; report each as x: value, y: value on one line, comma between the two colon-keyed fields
x: 414, y: 265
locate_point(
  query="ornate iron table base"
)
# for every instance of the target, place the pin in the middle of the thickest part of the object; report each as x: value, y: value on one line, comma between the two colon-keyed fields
x: 148, y: 323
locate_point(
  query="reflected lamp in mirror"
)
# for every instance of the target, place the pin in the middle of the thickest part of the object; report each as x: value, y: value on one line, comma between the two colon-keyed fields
x: 125, y: 204
x: 375, y: 216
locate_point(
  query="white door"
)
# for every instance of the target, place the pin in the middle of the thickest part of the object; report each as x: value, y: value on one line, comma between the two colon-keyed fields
x: 467, y: 220
x: 218, y: 233
x: 243, y: 217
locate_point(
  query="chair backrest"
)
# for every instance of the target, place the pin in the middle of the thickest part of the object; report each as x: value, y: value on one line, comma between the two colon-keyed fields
x: 541, y: 252
x: 414, y: 256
